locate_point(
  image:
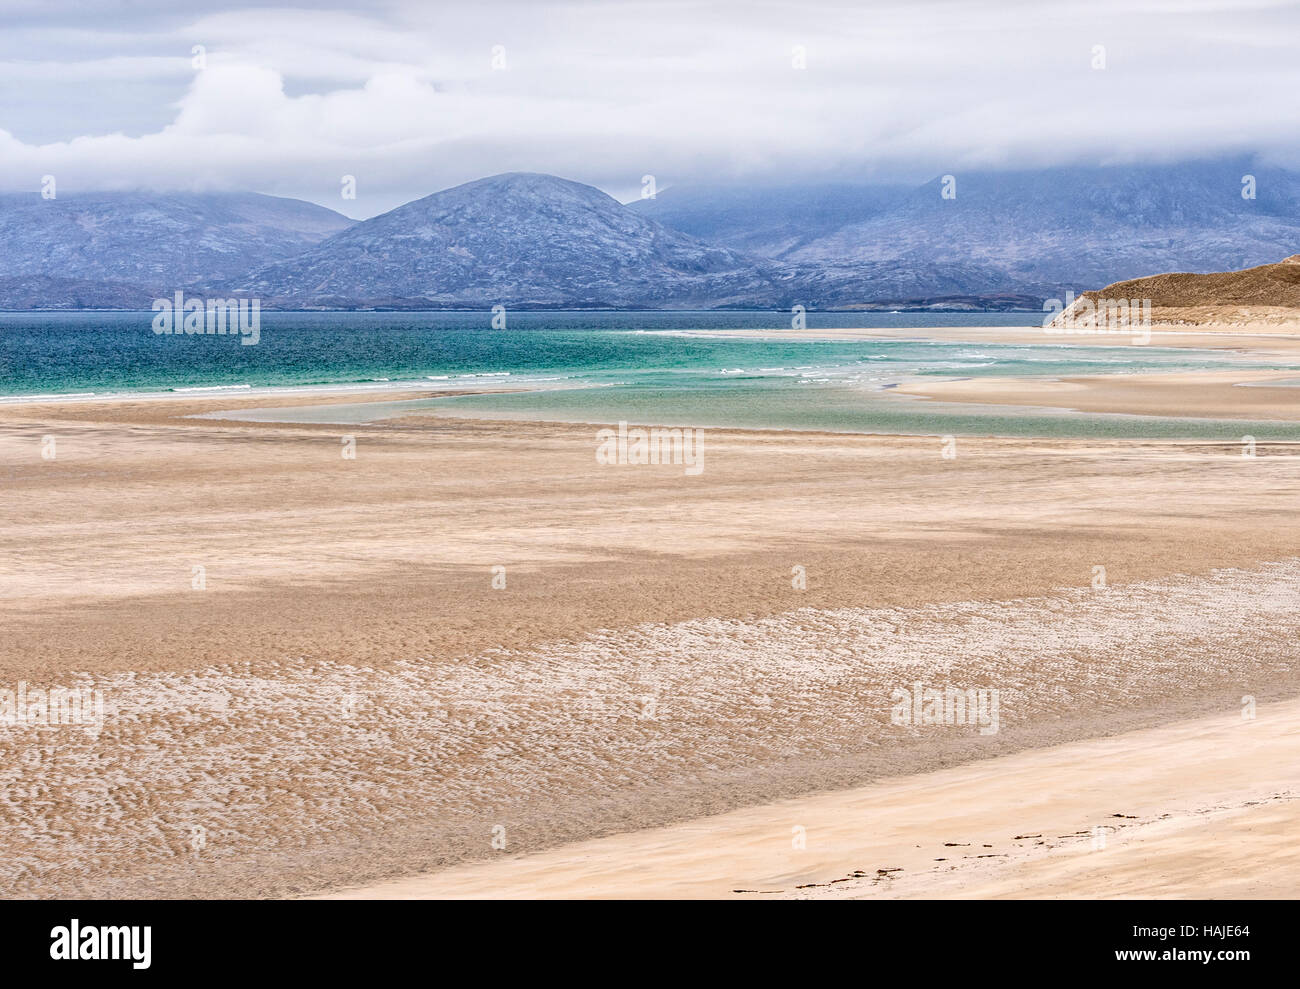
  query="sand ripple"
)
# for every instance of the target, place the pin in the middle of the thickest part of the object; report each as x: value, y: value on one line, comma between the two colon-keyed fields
x: 243, y: 772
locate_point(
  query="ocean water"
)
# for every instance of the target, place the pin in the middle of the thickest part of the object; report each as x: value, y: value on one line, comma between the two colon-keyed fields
x: 662, y: 368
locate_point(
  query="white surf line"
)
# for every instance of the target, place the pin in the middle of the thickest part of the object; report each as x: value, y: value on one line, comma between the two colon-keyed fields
x: 610, y: 713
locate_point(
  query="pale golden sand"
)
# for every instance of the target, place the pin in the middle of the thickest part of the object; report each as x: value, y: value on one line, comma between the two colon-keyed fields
x: 1244, y: 394
x: 1201, y: 809
x: 1264, y: 339
x: 350, y: 700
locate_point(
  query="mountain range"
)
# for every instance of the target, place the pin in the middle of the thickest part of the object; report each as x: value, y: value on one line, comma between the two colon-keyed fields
x: 977, y: 240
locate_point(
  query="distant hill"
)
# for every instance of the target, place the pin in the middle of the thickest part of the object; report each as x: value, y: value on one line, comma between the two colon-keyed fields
x: 1039, y: 232
x: 520, y: 240
x: 1267, y: 294
x: 110, y: 249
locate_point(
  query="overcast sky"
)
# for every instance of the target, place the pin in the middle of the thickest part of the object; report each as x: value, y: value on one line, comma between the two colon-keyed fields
x: 405, y: 95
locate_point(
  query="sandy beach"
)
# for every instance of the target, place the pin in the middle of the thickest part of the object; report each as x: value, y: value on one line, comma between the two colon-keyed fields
x: 1209, y: 801
x: 471, y: 642
x: 1221, y: 395
x: 1266, y: 339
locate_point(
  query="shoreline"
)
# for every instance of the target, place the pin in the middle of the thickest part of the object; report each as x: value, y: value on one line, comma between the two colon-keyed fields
x: 1261, y: 341
x: 1252, y: 342
x: 1157, y: 395
x: 328, y: 394
x: 1210, y: 395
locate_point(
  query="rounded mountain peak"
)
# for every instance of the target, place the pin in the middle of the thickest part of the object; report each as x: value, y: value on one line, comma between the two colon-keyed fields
x: 522, y: 188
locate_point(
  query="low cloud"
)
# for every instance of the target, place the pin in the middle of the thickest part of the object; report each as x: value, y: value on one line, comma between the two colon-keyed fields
x: 409, y: 101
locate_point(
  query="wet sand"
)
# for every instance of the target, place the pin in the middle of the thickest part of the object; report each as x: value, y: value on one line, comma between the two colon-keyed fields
x: 1244, y: 394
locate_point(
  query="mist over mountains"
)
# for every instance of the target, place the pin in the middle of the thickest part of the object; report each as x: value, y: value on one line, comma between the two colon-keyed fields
x: 1035, y: 232
x: 1007, y: 240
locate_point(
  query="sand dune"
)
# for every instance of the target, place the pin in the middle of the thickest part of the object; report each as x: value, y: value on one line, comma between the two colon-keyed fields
x: 1265, y: 295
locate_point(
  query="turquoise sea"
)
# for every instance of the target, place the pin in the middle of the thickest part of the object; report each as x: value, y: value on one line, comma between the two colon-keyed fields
x: 665, y: 368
